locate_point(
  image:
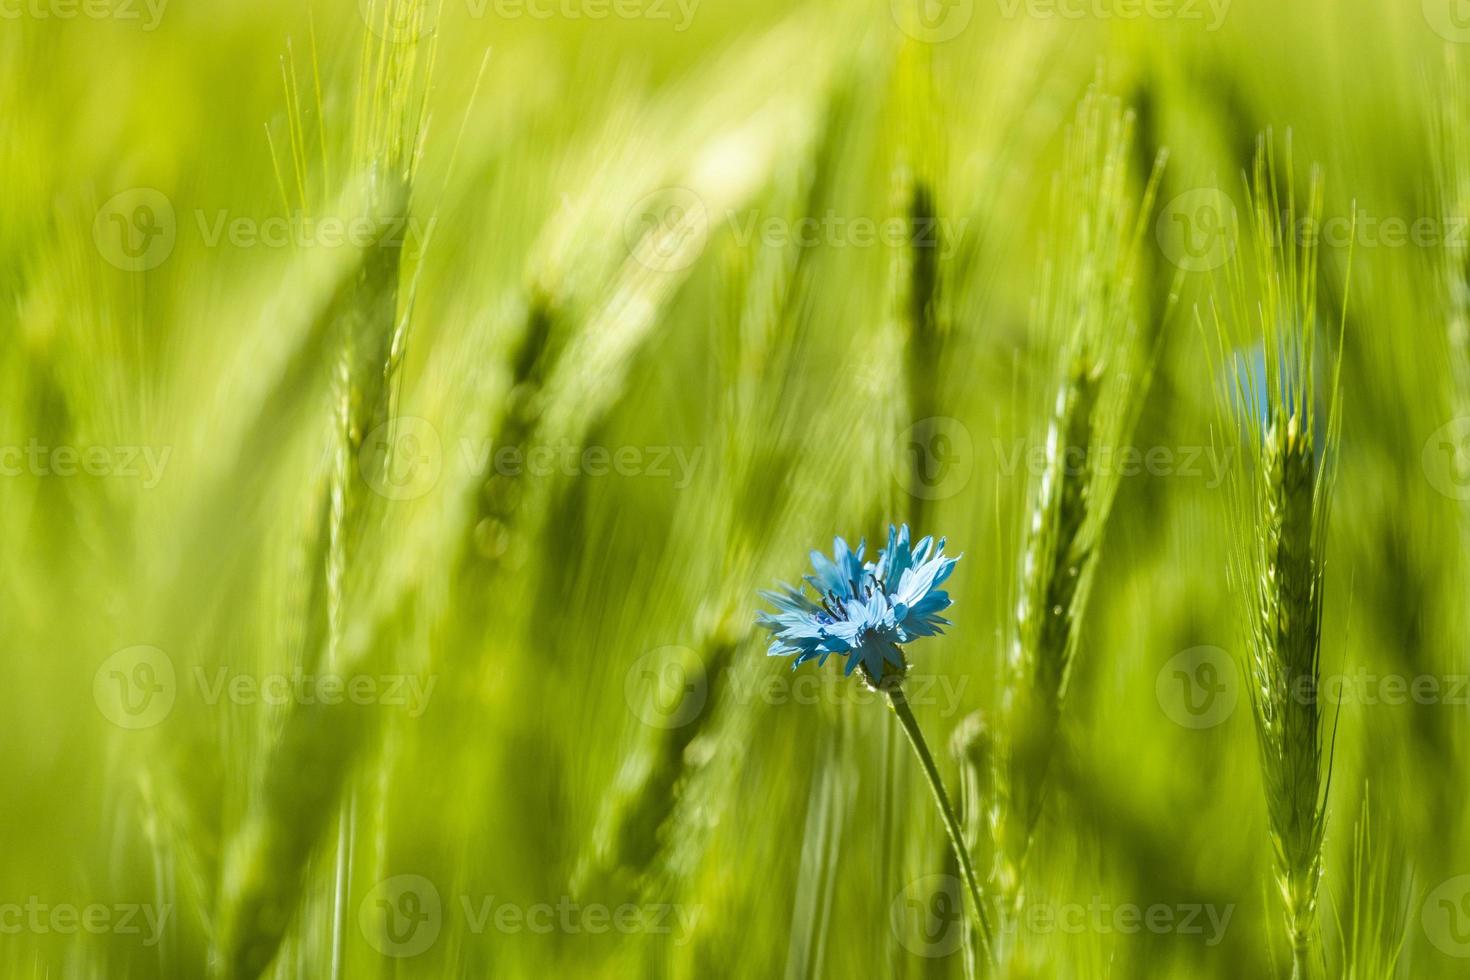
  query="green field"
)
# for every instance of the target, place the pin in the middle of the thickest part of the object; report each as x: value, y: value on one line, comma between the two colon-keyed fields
x: 403, y: 406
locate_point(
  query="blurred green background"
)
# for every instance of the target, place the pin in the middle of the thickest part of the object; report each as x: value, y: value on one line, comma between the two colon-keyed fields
x: 401, y: 408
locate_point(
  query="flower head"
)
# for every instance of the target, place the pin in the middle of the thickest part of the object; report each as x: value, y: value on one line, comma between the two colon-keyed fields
x: 864, y: 611
x: 1267, y: 398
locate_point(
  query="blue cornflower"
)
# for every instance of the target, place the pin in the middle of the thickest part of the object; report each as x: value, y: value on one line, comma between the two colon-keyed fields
x: 865, y: 610
x: 1256, y: 395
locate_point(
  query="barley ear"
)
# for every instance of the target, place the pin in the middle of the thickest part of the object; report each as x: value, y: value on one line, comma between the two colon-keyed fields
x: 1087, y: 309
x: 1279, y: 502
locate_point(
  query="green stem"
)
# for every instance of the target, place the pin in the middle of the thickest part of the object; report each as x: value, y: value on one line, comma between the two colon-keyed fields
x: 1301, y: 965
x: 906, y: 718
